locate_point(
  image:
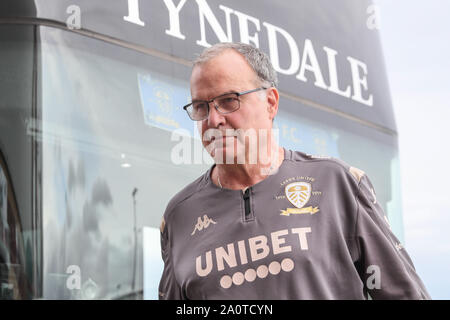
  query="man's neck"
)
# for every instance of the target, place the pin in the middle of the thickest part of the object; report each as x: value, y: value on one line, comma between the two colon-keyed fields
x: 242, y: 176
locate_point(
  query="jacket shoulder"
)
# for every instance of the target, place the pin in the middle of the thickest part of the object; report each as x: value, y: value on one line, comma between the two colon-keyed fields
x: 181, y: 196
x: 330, y: 163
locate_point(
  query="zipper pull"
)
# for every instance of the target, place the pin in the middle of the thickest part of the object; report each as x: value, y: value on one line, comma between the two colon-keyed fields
x: 246, y: 197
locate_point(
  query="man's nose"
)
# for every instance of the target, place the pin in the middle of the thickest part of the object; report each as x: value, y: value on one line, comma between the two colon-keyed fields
x: 215, y: 118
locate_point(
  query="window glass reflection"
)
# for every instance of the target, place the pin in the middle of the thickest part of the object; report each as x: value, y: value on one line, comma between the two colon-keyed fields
x: 100, y: 143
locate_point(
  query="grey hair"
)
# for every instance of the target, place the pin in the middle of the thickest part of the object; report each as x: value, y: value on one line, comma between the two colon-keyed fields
x: 257, y: 59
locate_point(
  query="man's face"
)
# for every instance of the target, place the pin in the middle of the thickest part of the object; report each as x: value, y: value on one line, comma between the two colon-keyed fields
x: 230, y: 72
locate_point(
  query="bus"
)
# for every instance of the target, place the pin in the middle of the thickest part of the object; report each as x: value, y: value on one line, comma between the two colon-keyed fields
x: 94, y: 141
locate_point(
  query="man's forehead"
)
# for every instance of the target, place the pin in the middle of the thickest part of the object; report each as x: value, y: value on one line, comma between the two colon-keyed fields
x: 229, y: 68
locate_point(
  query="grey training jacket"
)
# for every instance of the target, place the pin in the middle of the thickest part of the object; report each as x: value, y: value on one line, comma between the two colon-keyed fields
x: 313, y: 230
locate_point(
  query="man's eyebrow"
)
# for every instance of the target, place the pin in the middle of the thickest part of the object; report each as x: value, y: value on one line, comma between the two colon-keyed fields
x: 197, y: 100
x: 226, y: 92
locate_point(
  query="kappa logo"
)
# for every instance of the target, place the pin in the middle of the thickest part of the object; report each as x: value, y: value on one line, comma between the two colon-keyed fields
x: 202, y: 224
x: 298, y: 193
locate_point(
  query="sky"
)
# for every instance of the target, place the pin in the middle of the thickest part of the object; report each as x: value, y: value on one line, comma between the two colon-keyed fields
x: 415, y: 38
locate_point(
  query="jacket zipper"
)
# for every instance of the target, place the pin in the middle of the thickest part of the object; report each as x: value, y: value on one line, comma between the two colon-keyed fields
x: 247, y: 207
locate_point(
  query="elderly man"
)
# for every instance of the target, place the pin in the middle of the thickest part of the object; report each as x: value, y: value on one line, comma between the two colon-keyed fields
x: 266, y: 222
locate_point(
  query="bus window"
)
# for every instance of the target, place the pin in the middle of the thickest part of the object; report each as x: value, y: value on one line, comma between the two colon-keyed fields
x: 106, y: 130
x: 13, y: 281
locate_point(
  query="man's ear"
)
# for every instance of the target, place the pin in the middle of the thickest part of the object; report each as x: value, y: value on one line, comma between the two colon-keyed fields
x: 273, y: 97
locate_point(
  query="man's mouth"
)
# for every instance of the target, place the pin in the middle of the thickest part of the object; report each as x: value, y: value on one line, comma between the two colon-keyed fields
x: 223, y: 137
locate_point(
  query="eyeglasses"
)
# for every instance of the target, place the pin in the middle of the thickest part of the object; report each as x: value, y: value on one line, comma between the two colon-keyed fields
x: 224, y: 104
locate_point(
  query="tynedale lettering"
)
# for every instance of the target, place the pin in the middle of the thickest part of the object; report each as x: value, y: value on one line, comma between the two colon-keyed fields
x: 303, y: 64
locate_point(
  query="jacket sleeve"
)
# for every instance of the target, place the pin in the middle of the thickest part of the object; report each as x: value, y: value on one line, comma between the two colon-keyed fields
x: 168, y: 286
x: 385, y: 267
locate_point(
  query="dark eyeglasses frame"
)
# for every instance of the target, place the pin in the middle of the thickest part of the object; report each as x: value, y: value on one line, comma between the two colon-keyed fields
x: 238, y: 94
